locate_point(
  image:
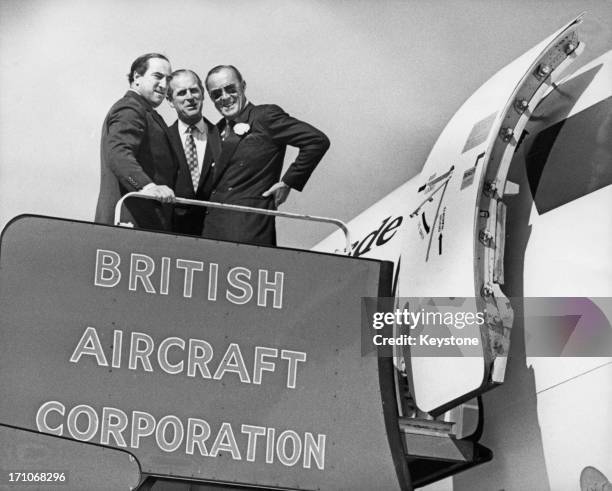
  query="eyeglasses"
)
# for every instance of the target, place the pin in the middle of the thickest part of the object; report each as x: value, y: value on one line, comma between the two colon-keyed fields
x: 230, y: 89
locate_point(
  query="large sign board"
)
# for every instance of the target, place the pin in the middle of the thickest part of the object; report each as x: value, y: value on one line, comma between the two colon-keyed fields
x: 208, y: 360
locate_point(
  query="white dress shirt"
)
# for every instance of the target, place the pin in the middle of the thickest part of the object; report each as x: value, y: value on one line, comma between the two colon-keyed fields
x: 199, y: 136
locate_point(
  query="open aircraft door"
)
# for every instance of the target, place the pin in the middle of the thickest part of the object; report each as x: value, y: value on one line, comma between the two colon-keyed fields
x: 455, y: 235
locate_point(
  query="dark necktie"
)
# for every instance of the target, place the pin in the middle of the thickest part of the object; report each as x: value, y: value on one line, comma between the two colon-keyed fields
x: 192, y: 157
x: 229, y: 130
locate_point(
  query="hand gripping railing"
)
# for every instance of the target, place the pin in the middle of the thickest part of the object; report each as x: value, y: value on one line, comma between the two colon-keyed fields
x: 248, y: 209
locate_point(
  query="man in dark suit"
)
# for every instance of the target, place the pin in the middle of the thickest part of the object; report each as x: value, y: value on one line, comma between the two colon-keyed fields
x: 197, y: 144
x: 135, y: 149
x: 248, y: 170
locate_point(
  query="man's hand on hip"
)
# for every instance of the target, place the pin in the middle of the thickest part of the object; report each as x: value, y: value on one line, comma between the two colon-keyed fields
x: 280, y: 191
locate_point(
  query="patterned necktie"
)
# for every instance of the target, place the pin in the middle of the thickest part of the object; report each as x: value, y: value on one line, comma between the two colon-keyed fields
x: 192, y: 157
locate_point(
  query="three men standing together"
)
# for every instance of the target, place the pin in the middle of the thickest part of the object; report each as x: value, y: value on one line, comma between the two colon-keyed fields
x: 238, y: 161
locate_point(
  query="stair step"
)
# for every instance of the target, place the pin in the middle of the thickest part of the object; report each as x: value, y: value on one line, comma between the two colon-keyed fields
x: 433, y: 439
x: 425, y: 426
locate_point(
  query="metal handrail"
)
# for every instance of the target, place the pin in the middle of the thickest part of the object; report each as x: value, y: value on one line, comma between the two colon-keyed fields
x: 209, y: 204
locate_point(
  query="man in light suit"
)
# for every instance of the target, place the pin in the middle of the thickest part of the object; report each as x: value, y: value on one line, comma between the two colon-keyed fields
x: 135, y: 149
x: 197, y: 144
x: 248, y: 170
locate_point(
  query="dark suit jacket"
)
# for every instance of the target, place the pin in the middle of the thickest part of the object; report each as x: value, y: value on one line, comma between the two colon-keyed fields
x: 135, y: 151
x: 190, y: 219
x: 250, y: 164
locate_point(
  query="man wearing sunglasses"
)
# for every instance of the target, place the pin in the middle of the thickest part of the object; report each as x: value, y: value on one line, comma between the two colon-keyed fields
x: 248, y: 170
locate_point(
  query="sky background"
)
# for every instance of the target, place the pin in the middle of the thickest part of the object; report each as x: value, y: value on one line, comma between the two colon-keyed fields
x: 380, y: 78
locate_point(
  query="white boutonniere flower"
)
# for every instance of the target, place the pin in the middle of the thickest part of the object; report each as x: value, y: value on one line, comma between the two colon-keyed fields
x: 241, y: 129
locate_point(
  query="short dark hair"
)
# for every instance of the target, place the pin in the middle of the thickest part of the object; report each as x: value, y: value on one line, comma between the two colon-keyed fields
x: 141, y: 64
x: 218, y: 68
x: 179, y: 72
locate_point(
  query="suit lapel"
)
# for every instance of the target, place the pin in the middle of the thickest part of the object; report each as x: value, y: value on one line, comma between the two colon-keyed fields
x: 148, y: 108
x: 212, y: 152
x: 159, y: 120
x: 229, y: 145
x: 177, y: 145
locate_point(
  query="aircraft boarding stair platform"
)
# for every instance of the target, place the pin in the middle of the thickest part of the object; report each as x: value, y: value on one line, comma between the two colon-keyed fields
x: 129, y: 354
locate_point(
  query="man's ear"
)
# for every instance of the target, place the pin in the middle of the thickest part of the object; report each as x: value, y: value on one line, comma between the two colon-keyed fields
x: 136, y: 76
x: 243, y: 85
